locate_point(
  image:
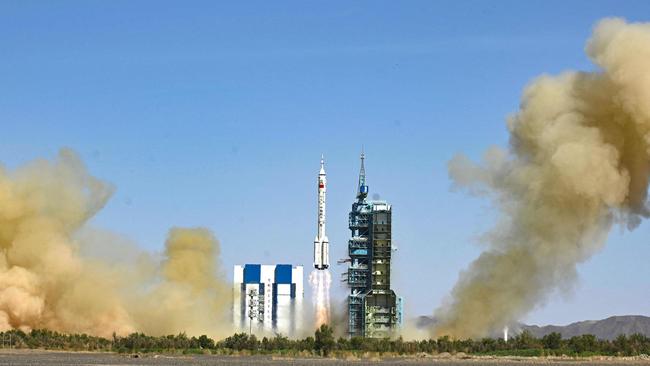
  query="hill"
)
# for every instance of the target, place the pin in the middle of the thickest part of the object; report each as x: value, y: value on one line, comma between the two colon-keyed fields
x: 608, y: 328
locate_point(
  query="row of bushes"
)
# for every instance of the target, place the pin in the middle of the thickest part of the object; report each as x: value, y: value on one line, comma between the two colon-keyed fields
x: 323, y: 343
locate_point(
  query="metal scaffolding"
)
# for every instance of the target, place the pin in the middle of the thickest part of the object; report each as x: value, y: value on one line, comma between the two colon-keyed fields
x: 373, y: 309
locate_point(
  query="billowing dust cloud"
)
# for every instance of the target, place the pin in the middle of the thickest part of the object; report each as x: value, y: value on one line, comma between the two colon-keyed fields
x: 577, y: 164
x: 46, y: 281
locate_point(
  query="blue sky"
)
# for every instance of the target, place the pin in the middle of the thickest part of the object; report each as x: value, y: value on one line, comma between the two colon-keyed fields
x: 215, y: 114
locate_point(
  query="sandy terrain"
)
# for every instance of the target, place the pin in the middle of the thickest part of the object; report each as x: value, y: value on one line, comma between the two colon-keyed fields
x: 52, y: 358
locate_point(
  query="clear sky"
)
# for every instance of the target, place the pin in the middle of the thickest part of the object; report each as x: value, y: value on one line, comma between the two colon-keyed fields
x: 215, y: 114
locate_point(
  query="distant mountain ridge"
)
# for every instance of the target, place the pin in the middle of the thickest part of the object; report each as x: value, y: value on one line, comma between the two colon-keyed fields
x: 608, y: 328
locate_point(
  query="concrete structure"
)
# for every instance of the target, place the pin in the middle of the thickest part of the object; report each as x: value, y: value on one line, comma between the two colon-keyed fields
x: 268, y: 298
x: 321, y: 243
x: 374, y: 309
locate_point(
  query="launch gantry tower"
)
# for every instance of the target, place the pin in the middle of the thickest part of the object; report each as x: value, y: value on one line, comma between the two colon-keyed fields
x: 374, y: 310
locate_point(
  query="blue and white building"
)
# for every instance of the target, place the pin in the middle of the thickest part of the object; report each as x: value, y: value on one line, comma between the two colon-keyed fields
x: 268, y: 298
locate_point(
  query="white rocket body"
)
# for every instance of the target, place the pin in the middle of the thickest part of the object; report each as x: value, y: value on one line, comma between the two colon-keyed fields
x: 321, y: 243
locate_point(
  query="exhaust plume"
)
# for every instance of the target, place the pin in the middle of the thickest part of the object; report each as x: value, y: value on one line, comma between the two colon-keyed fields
x: 577, y: 163
x: 46, y: 280
x: 320, y: 281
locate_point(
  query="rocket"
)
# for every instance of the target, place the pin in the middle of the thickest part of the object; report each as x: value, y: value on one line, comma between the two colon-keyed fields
x: 321, y: 243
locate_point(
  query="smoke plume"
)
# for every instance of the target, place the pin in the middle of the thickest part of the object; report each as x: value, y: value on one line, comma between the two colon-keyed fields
x: 577, y: 164
x: 47, y: 282
x: 320, y: 281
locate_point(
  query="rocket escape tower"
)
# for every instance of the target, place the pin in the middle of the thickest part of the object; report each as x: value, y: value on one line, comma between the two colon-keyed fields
x: 373, y: 308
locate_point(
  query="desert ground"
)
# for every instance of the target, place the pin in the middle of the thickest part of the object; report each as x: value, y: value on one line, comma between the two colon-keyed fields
x: 53, y: 358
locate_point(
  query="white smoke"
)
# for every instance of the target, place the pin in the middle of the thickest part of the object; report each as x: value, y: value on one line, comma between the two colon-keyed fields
x: 320, y: 281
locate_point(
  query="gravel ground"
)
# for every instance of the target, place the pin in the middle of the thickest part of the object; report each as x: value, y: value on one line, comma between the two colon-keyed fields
x: 52, y: 358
